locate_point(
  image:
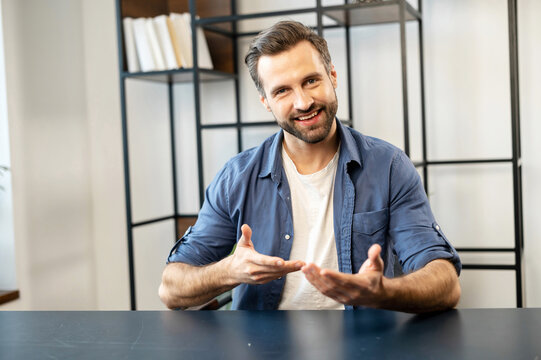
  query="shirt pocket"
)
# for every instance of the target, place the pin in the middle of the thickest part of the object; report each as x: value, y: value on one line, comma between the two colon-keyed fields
x: 368, y: 228
x: 369, y: 223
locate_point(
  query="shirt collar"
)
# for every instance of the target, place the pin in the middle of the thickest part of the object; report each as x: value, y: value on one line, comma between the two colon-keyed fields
x: 272, y: 162
x: 350, y: 151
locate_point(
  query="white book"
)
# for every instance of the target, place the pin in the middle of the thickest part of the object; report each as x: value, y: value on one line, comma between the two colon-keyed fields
x: 142, y: 45
x: 184, y: 38
x: 160, y: 23
x: 175, y: 41
x: 188, y: 35
x: 203, y: 53
x: 129, y: 45
x: 154, y: 45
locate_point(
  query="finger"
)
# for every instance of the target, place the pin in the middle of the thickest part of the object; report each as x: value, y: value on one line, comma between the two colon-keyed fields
x: 275, y: 272
x: 308, y: 268
x: 293, y: 265
x: 374, y: 251
x: 348, y: 288
x: 265, y: 260
x: 260, y: 274
x: 339, y: 295
x: 313, y: 274
x: 265, y: 278
x: 276, y: 264
x: 338, y: 278
x: 376, y: 262
x: 246, y: 238
x: 325, y: 285
x: 340, y: 281
x: 349, y: 282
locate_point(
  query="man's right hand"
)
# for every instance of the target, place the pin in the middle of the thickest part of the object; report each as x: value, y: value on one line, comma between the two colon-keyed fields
x: 248, y: 266
x: 186, y: 285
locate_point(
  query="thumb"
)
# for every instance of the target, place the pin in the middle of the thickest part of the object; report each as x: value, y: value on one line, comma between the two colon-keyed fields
x: 374, y: 261
x: 246, y: 238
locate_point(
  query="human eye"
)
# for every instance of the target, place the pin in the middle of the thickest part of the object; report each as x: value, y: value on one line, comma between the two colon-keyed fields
x: 280, y: 91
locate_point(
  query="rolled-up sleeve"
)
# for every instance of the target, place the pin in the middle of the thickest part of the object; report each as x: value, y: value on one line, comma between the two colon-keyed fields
x: 214, y: 234
x: 417, y: 238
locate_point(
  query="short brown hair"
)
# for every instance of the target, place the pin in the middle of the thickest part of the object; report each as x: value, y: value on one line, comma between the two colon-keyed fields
x: 280, y: 37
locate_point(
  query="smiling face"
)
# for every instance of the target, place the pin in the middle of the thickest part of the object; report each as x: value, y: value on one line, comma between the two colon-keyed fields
x: 299, y: 92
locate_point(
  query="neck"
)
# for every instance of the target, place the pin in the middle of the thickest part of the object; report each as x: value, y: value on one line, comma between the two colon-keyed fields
x: 310, y: 158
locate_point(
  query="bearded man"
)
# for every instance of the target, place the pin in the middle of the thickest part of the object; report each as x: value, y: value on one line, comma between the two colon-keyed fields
x: 319, y: 213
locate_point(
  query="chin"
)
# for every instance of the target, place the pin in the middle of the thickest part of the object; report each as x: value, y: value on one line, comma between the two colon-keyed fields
x: 311, y: 136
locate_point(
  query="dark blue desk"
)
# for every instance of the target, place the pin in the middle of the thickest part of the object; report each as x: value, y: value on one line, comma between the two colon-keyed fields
x: 369, y: 334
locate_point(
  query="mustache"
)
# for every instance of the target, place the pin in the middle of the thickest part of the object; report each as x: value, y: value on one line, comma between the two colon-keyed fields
x: 310, y: 110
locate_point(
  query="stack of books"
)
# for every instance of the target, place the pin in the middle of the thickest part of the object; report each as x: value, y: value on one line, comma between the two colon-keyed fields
x: 163, y: 43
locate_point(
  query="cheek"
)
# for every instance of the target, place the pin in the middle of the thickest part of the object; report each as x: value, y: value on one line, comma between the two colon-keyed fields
x: 332, y: 95
x: 281, y: 108
x: 325, y: 93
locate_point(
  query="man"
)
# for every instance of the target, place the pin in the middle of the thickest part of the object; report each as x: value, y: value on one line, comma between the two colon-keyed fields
x: 315, y: 208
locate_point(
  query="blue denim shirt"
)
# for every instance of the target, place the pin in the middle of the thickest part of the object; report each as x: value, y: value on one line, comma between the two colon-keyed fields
x: 378, y: 198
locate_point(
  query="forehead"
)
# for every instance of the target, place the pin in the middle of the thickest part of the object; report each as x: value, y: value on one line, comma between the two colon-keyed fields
x: 290, y: 65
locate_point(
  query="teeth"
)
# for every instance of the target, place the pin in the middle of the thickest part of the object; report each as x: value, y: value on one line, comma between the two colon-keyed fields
x: 308, y: 116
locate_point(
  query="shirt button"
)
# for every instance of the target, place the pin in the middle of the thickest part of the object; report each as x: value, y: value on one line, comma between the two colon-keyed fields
x: 437, y: 227
x: 287, y: 237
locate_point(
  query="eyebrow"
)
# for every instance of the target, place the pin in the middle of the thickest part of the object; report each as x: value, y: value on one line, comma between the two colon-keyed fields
x: 311, y: 75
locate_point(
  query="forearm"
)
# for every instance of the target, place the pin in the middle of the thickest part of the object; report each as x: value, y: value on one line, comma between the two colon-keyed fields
x: 185, y: 285
x: 434, y: 287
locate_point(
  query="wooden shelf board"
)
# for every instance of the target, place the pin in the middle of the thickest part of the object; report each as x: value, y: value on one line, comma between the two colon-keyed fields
x: 367, y: 14
x: 8, y: 295
x: 180, y: 75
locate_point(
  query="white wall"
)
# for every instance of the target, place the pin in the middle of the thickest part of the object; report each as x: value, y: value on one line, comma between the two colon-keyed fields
x: 7, y: 239
x: 67, y: 158
x: 105, y: 154
x: 50, y: 154
x: 67, y: 147
x: 529, y: 31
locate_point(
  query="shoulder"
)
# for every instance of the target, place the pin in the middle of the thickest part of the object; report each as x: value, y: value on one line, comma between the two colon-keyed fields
x: 253, y: 157
x: 249, y: 162
x: 382, y: 157
x: 372, y: 150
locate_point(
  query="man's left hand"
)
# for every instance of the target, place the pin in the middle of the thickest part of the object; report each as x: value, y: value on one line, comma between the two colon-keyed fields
x: 364, y: 288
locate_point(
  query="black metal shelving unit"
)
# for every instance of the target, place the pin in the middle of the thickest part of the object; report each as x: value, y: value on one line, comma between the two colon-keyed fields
x: 515, y: 161
x: 344, y: 16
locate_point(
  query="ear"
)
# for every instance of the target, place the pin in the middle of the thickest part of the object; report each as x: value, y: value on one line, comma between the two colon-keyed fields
x: 333, y: 76
x: 265, y: 103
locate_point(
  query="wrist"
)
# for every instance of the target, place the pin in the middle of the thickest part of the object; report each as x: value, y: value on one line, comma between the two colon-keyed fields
x: 227, y: 270
x: 386, y: 292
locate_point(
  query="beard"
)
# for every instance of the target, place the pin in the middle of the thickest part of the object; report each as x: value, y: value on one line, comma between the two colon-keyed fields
x: 314, y: 133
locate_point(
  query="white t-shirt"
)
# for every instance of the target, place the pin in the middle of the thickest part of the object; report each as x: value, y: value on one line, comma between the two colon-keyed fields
x: 313, y: 241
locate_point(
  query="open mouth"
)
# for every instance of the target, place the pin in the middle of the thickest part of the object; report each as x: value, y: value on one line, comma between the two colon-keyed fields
x: 309, y: 116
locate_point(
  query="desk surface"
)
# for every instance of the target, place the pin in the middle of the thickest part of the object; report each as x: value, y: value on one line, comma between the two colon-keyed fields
x: 367, y: 334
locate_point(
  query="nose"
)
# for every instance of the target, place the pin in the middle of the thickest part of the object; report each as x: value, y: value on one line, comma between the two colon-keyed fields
x: 303, y: 101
